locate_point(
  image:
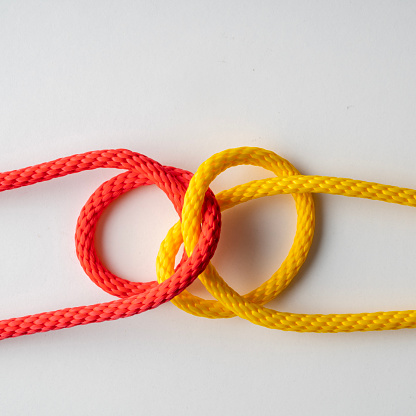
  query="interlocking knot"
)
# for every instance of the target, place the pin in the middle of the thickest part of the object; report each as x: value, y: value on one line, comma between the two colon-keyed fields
x: 199, y: 231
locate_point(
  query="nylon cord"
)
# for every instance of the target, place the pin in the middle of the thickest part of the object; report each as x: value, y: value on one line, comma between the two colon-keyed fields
x: 199, y: 231
x: 141, y: 171
x: 229, y: 302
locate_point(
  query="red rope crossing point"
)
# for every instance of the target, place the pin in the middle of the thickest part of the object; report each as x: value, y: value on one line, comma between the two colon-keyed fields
x: 135, y: 297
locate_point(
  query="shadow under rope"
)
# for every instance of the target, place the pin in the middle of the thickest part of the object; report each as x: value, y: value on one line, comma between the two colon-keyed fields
x: 240, y: 256
x: 314, y: 253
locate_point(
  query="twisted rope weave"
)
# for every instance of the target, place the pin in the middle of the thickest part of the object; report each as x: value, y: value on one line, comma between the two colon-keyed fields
x: 199, y: 230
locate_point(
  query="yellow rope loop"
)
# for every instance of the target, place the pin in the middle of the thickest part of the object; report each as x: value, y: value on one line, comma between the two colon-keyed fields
x: 288, y: 181
x: 215, y: 284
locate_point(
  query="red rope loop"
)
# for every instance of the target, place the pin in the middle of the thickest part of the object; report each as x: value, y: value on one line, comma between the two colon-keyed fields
x: 135, y: 297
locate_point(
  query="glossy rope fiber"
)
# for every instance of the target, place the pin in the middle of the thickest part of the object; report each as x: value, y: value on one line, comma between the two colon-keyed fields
x: 141, y: 170
x: 250, y: 307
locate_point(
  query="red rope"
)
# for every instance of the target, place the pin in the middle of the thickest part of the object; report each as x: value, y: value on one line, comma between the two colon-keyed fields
x: 135, y: 297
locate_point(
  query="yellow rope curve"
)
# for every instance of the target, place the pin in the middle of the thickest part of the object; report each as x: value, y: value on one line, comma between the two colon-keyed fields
x: 288, y: 181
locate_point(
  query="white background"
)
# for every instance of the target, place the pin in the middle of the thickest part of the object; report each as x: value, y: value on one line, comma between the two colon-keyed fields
x: 330, y: 86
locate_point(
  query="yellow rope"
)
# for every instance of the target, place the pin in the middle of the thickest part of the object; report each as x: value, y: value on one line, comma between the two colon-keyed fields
x: 229, y: 303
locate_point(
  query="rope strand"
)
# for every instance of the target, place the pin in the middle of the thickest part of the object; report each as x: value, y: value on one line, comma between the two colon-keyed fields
x: 230, y: 303
x: 199, y: 230
x: 141, y: 171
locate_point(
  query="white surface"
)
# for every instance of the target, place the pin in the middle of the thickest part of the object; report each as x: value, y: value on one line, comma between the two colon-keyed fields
x: 329, y: 85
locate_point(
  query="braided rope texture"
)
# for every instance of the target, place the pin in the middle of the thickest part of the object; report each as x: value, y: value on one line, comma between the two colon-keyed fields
x: 250, y: 307
x: 134, y: 297
x: 199, y: 230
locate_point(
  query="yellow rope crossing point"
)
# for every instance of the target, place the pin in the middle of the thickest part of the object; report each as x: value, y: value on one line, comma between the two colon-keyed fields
x: 288, y: 181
